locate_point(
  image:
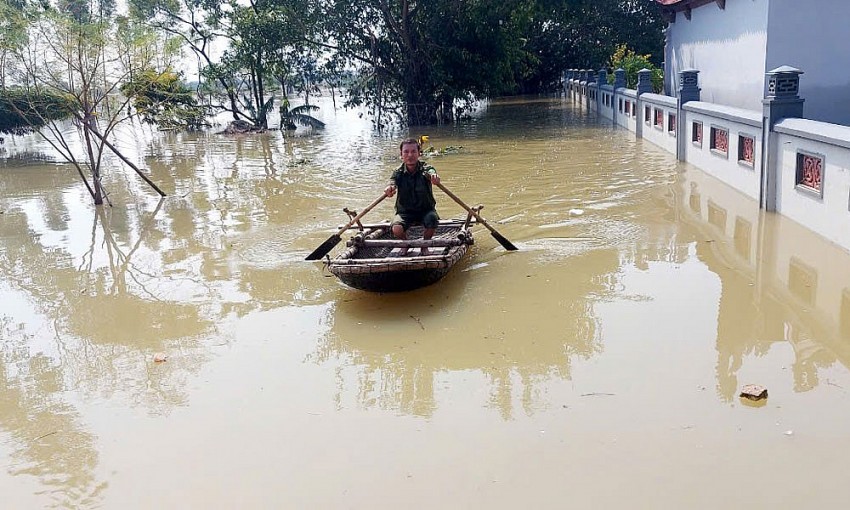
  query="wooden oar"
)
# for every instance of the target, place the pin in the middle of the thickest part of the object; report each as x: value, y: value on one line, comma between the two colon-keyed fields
x: 333, y: 240
x: 499, y: 237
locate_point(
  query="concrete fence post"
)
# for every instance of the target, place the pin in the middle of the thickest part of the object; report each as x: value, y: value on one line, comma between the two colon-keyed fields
x: 573, y: 84
x: 644, y: 85
x: 782, y: 101
x: 585, y: 78
x: 619, y: 83
x: 620, y: 78
x: 591, y: 79
x: 688, y: 91
x: 601, y: 79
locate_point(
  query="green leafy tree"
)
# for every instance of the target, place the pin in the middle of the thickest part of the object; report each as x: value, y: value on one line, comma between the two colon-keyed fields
x: 195, y: 23
x: 631, y: 62
x: 162, y: 99
x: 262, y: 40
x: 69, y: 69
x: 13, y: 33
x: 585, y: 33
x: 414, y: 59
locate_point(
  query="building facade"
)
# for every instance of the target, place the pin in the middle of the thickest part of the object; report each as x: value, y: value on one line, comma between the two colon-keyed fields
x: 733, y: 43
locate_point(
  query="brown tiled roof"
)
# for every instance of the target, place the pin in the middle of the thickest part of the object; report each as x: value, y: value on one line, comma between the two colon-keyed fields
x: 681, y: 4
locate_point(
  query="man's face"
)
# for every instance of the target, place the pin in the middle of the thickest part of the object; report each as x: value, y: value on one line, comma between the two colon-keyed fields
x: 410, y: 154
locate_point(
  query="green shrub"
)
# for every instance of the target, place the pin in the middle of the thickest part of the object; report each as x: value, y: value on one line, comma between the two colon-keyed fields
x: 24, y: 111
x: 625, y: 58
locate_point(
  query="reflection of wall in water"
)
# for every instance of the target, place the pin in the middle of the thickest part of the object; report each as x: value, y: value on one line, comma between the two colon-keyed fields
x: 717, y: 216
x: 799, y: 282
x: 802, y: 281
x: 743, y: 238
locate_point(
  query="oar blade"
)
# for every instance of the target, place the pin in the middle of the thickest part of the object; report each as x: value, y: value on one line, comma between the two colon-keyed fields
x: 504, y: 242
x: 324, y: 248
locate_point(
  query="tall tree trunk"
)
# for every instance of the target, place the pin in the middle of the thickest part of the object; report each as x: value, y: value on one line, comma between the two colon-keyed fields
x: 420, y: 102
x: 446, y: 109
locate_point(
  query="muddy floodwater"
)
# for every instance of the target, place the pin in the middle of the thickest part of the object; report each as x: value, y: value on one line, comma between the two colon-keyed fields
x: 599, y: 366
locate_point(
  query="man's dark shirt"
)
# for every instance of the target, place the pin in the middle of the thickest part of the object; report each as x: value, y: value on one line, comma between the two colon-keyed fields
x: 414, y: 194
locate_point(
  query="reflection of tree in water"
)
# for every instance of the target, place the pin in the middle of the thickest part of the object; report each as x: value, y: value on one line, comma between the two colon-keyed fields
x: 401, y: 346
x: 48, y: 438
x: 111, y: 287
x: 108, y: 317
x: 109, y: 305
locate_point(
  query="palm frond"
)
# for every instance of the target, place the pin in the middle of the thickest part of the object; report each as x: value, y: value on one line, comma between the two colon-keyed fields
x: 303, y: 109
x: 306, y: 120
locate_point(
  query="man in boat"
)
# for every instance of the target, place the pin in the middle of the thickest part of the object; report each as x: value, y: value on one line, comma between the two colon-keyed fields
x: 415, y: 201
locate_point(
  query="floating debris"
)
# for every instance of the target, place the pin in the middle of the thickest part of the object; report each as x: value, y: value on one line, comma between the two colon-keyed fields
x: 159, y: 357
x: 754, y: 392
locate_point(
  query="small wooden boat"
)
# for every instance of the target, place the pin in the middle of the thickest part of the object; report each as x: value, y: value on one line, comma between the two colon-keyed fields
x: 378, y: 262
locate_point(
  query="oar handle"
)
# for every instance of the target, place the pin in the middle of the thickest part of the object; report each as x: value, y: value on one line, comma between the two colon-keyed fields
x: 499, y: 237
x: 462, y: 204
x: 362, y: 213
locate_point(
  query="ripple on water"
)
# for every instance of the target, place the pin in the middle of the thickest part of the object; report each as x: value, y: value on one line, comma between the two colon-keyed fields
x: 267, y: 248
x: 558, y: 248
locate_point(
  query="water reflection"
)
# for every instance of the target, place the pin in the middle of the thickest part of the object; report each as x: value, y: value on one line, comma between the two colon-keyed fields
x: 92, y: 294
x: 48, y: 436
x: 772, y: 292
x: 401, y: 347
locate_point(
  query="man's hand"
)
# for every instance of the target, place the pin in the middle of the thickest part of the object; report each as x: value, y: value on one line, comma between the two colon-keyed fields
x: 435, y: 179
x: 390, y: 190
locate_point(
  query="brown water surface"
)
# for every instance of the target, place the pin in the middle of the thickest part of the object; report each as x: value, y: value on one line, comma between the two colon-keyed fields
x: 597, y: 367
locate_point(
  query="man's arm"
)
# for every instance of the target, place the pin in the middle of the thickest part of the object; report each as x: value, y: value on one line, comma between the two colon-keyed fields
x: 391, y: 184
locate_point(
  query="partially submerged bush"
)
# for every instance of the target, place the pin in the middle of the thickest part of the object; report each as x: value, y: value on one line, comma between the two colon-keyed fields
x: 162, y: 99
x: 24, y: 111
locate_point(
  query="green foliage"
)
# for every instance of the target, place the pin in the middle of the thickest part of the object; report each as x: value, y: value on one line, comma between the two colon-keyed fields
x: 291, y: 118
x: 266, y: 44
x: 417, y: 59
x: 162, y: 99
x: 631, y: 62
x: 585, y: 33
x: 23, y: 111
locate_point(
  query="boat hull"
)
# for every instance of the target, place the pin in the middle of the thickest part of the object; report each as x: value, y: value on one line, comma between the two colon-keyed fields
x: 386, y: 270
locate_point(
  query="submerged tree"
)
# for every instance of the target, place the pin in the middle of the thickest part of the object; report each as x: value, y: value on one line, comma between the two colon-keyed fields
x: 23, y: 111
x: 292, y: 117
x: 263, y: 40
x: 163, y: 100
x: 416, y: 58
x: 69, y: 59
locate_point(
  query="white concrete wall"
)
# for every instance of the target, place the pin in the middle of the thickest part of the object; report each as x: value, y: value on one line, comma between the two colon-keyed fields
x: 606, y: 111
x: 659, y: 135
x: 728, y: 48
x: 829, y: 215
x: 812, y: 36
x: 727, y: 168
x: 622, y: 97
